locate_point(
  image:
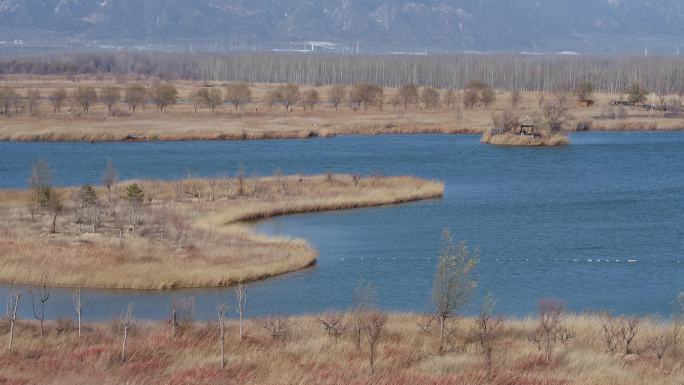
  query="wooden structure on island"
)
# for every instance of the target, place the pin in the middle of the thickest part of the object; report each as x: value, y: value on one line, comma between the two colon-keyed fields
x: 528, y: 128
x: 585, y: 103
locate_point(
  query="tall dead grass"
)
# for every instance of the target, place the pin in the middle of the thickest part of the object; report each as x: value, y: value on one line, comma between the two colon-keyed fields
x: 306, y: 355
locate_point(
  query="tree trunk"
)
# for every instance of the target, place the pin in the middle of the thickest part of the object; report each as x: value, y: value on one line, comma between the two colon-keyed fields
x: 11, y: 336
x: 223, y: 357
x: 442, y: 322
x: 123, y: 348
x: 371, y: 358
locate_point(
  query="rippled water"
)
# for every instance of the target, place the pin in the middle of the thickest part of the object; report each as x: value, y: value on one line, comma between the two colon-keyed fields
x: 560, y: 222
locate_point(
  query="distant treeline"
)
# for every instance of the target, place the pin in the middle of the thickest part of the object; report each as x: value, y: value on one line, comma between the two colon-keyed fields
x: 664, y: 75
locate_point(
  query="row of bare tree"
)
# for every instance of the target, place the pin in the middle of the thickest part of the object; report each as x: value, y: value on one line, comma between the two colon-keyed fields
x: 83, y: 97
x: 664, y: 75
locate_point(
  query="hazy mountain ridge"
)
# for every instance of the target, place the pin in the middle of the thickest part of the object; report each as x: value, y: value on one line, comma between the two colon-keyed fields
x: 379, y: 25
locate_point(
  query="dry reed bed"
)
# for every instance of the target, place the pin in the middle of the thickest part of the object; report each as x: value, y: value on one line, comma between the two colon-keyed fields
x: 191, y: 233
x: 305, y: 355
x: 511, y: 139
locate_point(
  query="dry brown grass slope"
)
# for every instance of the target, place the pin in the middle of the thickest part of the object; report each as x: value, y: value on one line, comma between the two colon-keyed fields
x: 189, y: 233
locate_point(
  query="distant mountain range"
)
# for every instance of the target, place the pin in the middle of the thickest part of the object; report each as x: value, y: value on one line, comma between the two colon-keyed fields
x: 585, y: 26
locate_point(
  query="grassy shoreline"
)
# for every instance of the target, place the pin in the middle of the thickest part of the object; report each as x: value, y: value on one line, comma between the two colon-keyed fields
x: 301, y: 352
x: 181, y: 240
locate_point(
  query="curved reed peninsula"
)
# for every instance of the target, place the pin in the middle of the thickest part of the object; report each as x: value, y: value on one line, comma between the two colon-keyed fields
x: 183, y: 233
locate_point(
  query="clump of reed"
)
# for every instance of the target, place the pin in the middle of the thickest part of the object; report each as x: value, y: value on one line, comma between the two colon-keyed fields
x: 512, y: 139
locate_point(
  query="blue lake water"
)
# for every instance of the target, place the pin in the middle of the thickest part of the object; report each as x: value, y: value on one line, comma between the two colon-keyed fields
x: 549, y: 222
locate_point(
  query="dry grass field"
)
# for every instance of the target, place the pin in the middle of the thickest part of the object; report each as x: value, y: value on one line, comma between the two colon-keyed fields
x: 185, y: 233
x: 255, y: 121
x: 289, y: 351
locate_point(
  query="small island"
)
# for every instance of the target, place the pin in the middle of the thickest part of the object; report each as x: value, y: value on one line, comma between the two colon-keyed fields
x: 525, y: 136
x: 544, y: 130
x: 187, y: 233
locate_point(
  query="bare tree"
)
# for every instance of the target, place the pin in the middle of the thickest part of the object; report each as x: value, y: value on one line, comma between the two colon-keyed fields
x: 57, y: 99
x: 336, y: 95
x: 85, y: 96
x: 471, y: 96
x: 364, y: 299
x: 8, y: 98
x: 356, y: 178
x: 487, y: 96
x: 78, y: 307
x: 43, y: 296
x: 12, y: 306
x: 373, y: 326
x: 334, y: 325
x: 272, y: 97
x: 198, y: 99
x: 408, y: 95
x: 628, y: 331
x: 611, y: 330
x: 109, y: 180
x: 32, y: 101
x: 487, y: 331
x: 241, y: 181
x: 126, y: 321
x: 40, y: 184
x: 277, y: 326
x: 238, y: 94
x: 515, y: 99
x: 221, y: 310
x: 450, y: 99
x: 551, y: 328
x: 210, y: 98
x: 430, y: 97
x: 182, y: 314
x: 240, y: 303
x: 505, y: 121
x: 55, y: 206
x: 636, y: 93
x: 541, y: 98
x: 453, y: 283
x: 556, y: 114
x: 110, y: 96
x: 367, y: 95
x: 311, y: 98
x: 584, y: 91
x: 289, y: 94
x: 395, y: 101
x: 135, y: 96
x: 659, y: 344
x: 163, y: 95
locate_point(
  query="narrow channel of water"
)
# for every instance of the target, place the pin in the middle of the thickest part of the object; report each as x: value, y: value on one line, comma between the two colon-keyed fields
x: 599, y: 223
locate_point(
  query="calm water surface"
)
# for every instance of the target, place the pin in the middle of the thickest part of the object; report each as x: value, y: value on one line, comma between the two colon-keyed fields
x: 550, y: 222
